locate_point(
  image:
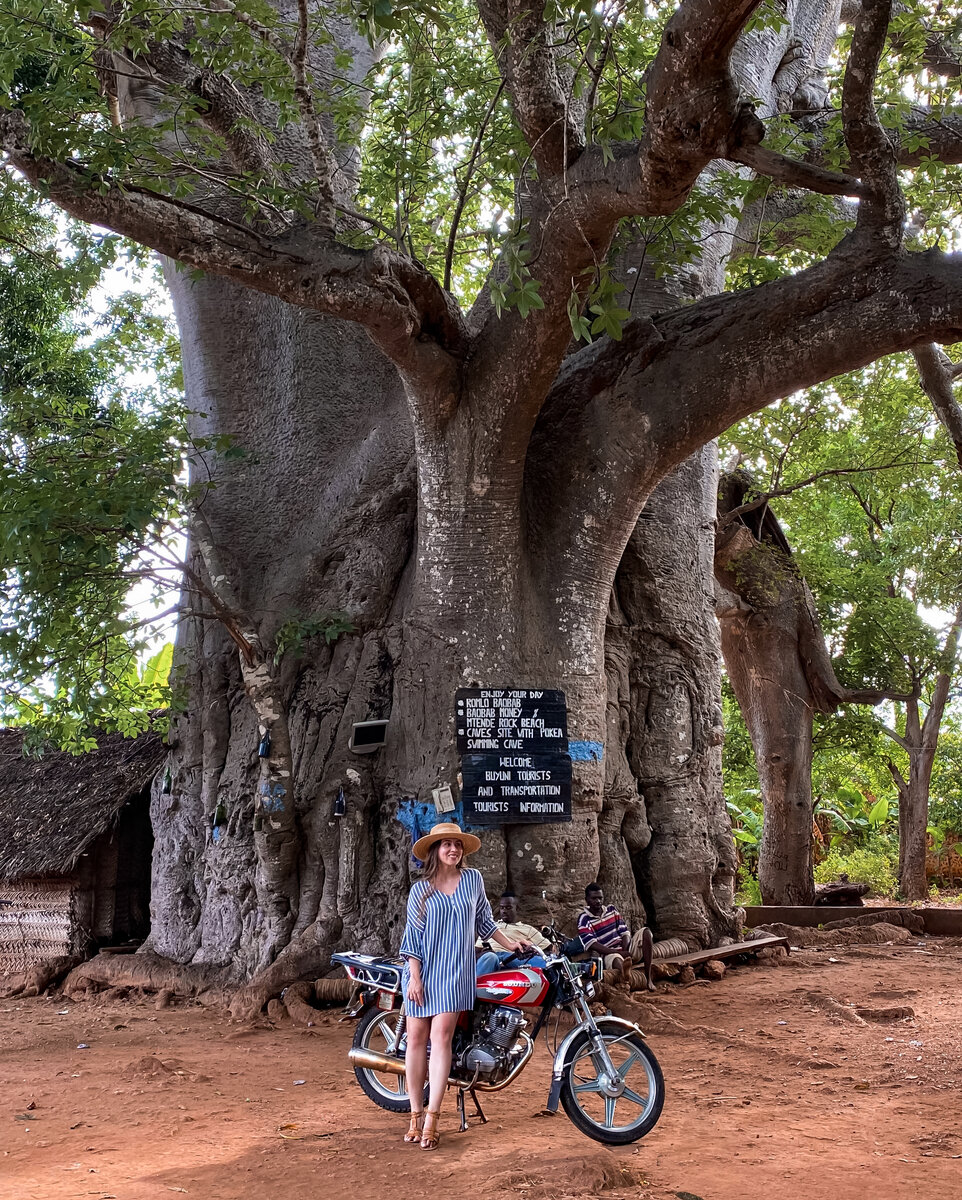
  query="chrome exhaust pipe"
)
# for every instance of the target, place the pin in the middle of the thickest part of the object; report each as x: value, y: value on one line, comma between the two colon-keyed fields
x: 373, y: 1061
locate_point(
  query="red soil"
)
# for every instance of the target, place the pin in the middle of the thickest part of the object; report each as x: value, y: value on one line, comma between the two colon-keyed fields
x: 769, y: 1096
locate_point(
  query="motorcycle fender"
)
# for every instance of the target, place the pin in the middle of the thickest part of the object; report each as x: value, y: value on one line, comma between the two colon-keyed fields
x: 615, y: 1024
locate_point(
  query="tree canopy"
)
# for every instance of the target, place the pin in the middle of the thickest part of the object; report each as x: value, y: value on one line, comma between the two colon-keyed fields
x: 91, y: 463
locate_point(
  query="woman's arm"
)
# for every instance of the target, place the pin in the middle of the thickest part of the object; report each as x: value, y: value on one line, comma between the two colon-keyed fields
x: 484, y: 926
x: 502, y: 939
x: 412, y: 942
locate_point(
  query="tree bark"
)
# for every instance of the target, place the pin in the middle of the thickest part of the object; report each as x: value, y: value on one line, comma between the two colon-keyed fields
x: 663, y: 626
x: 493, y: 562
x: 758, y: 610
x: 914, y: 803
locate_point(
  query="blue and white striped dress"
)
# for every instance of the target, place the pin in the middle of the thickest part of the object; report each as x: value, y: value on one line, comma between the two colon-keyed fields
x: 440, y: 933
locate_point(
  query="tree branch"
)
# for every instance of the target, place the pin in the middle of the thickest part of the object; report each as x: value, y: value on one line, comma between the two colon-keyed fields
x: 623, y: 414
x: 765, y: 497
x: 320, y: 151
x: 226, y: 109
x: 882, y: 209
x: 692, y: 103
x: 415, y: 323
x: 551, y: 121
x: 296, y: 59
x: 936, y: 377
x: 948, y: 661
x: 794, y: 173
x: 465, y: 185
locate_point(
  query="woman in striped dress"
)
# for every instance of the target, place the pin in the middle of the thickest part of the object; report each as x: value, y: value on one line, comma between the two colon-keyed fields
x: 447, y: 911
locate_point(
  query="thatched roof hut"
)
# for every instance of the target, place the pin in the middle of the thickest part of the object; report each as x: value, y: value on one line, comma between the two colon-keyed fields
x: 75, y: 846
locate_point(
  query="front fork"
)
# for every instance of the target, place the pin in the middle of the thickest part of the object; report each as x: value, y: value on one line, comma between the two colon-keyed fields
x: 579, y: 1007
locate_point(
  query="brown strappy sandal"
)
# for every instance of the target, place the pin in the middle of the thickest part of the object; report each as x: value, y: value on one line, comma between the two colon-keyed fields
x: 431, y: 1137
x: 413, y: 1135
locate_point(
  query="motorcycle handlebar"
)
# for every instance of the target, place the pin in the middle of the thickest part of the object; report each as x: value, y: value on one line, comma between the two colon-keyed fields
x: 520, y: 955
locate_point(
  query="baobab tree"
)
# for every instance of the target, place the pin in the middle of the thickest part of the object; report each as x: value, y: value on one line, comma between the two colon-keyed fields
x: 382, y: 227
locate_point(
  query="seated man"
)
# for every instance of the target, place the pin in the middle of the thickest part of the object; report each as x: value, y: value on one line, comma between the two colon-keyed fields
x: 603, y: 930
x: 509, y: 924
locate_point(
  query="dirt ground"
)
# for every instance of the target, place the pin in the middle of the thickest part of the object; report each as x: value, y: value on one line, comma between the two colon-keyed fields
x: 769, y: 1095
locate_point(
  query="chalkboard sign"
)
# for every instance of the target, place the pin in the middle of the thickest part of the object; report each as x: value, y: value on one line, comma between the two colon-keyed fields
x: 512, y: 787
x: 522, y: 719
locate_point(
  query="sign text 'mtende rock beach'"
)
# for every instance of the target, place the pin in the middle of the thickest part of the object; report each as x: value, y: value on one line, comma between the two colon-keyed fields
x: 510, y: 787
x: 523, y: 719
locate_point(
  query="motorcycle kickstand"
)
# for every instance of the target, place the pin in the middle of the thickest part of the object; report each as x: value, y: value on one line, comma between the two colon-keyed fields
x: 477, y: 1106
x: 464, y: 1120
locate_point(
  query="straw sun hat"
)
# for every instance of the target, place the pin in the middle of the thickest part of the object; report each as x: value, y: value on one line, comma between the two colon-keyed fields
x: 447, y: 830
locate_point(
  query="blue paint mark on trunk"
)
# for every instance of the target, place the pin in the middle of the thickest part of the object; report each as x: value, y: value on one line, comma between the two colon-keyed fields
x: 419, y: 818
x: 586, y: 751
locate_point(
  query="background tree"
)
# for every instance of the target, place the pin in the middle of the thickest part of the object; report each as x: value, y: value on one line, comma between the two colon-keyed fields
x: 90, y: 460
x: 782, y: 674
x: 871, y: 496
x: 454, y: 478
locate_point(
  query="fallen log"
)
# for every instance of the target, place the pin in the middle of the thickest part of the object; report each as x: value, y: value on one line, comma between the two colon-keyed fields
x: 842, y: 892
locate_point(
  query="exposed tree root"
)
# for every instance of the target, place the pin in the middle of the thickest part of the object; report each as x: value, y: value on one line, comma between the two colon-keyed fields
x: 858, y: 935
x: 151, y: 973
x: 304, y: 958
x: 297, y: 1000
x: 333, y: 991
x: 884, y: 1016
x: 39, y: 977
x: 912, y: 921
x: 829, y: 1005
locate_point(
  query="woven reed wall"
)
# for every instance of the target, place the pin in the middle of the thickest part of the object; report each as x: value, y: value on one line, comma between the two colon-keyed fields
x: 42, y: 919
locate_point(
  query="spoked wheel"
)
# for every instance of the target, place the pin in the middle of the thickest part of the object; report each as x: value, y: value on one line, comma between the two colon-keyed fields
x: 614, y: 1109
x: 377, y: 1030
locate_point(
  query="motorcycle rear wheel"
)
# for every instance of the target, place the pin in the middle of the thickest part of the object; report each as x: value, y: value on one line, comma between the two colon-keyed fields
x: 376, y: 1031
x: 620, y: 1119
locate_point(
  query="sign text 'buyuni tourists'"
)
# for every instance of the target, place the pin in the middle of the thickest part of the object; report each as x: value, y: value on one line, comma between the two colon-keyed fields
x: 515, y: 765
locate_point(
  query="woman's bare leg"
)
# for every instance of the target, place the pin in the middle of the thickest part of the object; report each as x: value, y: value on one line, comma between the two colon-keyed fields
x: 439, y: 1065
x: 416, y: 1059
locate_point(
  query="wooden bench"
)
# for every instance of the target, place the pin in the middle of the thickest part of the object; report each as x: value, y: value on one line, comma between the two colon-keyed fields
x: 732, y: 951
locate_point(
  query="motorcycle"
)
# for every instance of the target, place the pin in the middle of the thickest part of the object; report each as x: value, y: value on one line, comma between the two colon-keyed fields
x: 604, y: 1074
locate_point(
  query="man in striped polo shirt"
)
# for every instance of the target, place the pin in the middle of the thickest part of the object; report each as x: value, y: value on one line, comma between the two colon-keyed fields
x: 603, y: 930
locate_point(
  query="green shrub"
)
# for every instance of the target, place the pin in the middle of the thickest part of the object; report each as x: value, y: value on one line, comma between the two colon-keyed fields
x: 876, y: 867
x: 748, y: 891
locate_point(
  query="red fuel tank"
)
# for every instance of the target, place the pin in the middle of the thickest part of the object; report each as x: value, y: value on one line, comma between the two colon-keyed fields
x: 522, y: 985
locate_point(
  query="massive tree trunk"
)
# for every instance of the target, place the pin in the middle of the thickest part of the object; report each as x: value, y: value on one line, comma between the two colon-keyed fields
x: 484, y: 592
x: 469, y: 505
x: 663, y: 641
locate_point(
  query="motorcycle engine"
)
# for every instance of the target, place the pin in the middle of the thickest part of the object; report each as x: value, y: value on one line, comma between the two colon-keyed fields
x: 489, y: 1051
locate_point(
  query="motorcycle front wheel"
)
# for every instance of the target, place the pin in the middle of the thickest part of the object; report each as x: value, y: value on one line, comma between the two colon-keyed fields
x: 377, y: 1030
x: 617, y: 1110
